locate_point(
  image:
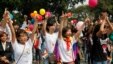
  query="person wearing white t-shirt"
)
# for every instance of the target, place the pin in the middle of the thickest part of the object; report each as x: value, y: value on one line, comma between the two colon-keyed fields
x: 66, y: 40
x: 22, y: 44
x: 50, y: 36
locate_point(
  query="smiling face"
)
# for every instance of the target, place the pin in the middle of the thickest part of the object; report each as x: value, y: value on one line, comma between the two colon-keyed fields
x: 22, y: 36
x: 66, y: 32
x: 52, y: 28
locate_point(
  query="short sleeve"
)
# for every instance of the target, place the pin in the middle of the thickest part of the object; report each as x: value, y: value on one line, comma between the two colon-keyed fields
x: 30, y: 42
x: 15, y: 44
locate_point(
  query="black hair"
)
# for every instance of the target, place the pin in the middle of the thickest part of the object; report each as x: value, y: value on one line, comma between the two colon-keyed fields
x: 104, y: 10
x: 64, y: 30
x: 20, y: 31
x: 2, y: 33
x: 50, y: 22
x: 73, y: 29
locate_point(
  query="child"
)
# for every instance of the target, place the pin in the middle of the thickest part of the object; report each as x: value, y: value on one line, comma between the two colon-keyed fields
x: 22, y: 43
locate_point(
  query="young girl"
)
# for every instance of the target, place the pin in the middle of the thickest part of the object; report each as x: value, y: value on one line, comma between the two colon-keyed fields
x: 50, y: 37
x: 22, y: 44
x: 66, y: 41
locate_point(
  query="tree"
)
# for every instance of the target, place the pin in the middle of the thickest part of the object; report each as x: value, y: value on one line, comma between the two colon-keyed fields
x: 102, y: 5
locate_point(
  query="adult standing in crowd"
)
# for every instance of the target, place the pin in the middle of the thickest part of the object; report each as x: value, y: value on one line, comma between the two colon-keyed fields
x: 99, y: 55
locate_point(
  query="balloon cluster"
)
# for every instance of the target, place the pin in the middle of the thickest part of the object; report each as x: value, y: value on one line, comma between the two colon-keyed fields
x: 35, y: 14
x: 40, y: 15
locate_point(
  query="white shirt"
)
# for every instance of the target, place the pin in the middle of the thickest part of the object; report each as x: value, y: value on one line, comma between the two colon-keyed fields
x: 24, y: 25
x: 66, y: 55
x: 26, y: 58
x: 50, y: 41
x: 4, y: 45
x: 104, y: 41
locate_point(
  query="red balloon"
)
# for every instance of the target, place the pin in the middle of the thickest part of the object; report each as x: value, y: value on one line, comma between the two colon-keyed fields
x: 93, y: 3
x: 39, y: 17
x: 36, y: 43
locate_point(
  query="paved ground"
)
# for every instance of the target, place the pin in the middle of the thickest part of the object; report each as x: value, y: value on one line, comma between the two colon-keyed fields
x: 83, y: 62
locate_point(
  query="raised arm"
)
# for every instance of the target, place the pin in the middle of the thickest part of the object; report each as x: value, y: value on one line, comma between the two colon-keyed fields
x: 12, y: 30
x: 9, y: 22
x: 34, y: 29
x: 101, y: 30
x: 77, y: 34
x: 111, y: 27
x: 44, y: 26
x: 63, y: 18
x: 3, y: 22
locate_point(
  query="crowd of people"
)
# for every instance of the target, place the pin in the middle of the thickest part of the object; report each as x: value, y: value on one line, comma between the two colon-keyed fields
x: 56, y: 41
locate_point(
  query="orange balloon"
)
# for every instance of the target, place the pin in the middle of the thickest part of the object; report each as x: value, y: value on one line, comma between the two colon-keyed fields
x: 32, y: 15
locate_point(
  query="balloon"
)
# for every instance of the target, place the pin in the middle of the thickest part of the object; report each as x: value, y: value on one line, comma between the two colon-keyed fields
x: 93, y: 3
x: 11, y: 16
x: 35, y: 12
x: 31, y: 27
x: 42, y: 11
x: 32, y: 15
x: 79, y: 25
x: 111, y: 36
x: 73, y: 21
x: 69, y: 14
x: 39, y: 17
x: 48, y: 14
x: 32, y: 21
x: 36, y: 43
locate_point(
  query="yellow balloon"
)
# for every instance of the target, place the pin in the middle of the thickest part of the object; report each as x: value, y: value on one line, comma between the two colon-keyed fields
x: 42, y: 11
x: 35, y: 12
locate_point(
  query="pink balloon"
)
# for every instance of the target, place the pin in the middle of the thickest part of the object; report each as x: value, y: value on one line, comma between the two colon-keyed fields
x: 74, y: 21
x: 31, y: 27
x: 79, y: 25
x: 93, y: 3
x: 48, y: 14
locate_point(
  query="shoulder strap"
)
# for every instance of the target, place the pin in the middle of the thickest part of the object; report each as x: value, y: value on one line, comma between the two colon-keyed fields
x: 20, y: 55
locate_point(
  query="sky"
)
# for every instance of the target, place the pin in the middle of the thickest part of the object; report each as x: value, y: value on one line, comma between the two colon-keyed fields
x: 79, y: 4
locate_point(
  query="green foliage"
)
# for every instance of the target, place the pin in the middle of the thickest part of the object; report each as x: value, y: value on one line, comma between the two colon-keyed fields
x: 102, y: 5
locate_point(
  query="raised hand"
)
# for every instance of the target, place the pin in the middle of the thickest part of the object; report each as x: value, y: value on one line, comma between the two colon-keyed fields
x: 63, y: 16
x: 6, y: 15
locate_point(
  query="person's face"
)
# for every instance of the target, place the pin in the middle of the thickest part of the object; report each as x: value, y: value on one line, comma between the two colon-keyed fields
x: 16, y: 27
x: 104, y: 15
x: 68, y: 33
x: 106, y: 29
x: 23, y: 38
x: 52, y: 28
x: 3, y: 38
